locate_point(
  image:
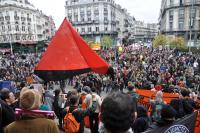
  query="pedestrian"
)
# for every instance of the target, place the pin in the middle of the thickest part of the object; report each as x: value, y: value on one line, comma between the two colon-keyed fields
x: 93, y: 100
x: 116, y: 113
x: 31, y: 122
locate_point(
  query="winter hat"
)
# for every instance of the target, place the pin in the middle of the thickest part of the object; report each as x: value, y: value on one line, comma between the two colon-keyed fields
x: 30, y: 99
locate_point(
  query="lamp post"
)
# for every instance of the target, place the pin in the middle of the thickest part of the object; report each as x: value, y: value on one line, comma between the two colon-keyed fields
x: 11, y: 47
x: 191, y: 25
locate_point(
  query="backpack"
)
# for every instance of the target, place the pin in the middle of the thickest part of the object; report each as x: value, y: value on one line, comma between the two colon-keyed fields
x: 157, y: 111
x: 70, y: 123
x: 94, y: 103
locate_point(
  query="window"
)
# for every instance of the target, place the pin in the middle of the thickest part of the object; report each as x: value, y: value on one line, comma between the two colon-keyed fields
x: 89, y: 18
x: 171, y: 2
x: 106, y: 28
x: 97, y: 29
x: 76, y: 11
x: 3, y: 28
x: 89, y: 8
x: 96, y: 9
x: 181, y: 24
x: 70, y: 17
x: 181, y: 13
x: 69, y: 11
x: 29, y: 28
x: 82, y: 29
x: 89, y: 29
x: 76, y: 18
x: 105, y: 18
x: 9, y: 28
x: 82, y: 19
x: 17, y: 27
x: 181, y: 2
x: 170, y: 25
x: 82, y: 11
x: 192, y: 17
x: 181, y: 19
x: 15, y: 13
x: 171, y: 15
x: 23, y: 28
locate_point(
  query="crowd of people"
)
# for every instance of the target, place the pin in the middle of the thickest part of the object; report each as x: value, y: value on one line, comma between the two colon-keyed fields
x: 117, y: 111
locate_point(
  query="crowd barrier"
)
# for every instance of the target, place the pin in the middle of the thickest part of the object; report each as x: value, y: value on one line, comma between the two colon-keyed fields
x: 145, y: 95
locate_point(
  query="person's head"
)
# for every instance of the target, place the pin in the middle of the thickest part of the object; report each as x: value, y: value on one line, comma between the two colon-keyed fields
x: 30, y: 99
x: 185, y: 92
x: 117, y: 112
x: 168, y: 113
x: 57, y: 92
x: 22, y: 85
x: 7, y: 96
x: 141, y: 111
x: 87, y: 89
x: 74, y: 100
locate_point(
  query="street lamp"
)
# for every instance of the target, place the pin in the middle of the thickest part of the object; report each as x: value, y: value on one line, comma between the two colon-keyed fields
x: 11, y: 47
x: 191, y: 25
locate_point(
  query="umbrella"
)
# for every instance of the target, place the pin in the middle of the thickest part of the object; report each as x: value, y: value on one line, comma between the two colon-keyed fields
x: 68, y: 55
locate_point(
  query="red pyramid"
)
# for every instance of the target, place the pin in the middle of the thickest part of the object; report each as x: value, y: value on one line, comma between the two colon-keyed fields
x: 68, y: 55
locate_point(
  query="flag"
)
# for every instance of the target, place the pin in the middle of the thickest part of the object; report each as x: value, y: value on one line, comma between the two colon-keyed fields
x: 184, y: 125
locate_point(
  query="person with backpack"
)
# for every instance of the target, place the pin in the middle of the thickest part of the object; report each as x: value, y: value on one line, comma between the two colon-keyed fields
x: 157, y: 106
x: 74, y: 119
x: 142, y: 122
x: 93, y: 100
x: 131, y: 92
x: 57, y: 107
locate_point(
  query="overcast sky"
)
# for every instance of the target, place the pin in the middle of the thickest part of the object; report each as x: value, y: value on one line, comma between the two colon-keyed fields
x: 143, y: 10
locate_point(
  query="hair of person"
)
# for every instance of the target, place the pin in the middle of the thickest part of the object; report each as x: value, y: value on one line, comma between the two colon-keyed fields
x: 117, y: 112
x: 168, y: 113
x: 57, y: 92
x: 74, y: 100
x: 185, y: 92
x: 5, y: 94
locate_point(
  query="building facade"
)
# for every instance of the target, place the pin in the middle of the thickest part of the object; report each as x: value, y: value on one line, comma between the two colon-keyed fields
x: 21, y: 22
x: 144, y: 32
x: 96, y: 18
x: 180, y: 18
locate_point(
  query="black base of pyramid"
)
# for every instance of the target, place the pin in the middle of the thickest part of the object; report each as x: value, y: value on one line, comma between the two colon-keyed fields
x: 58, y: 75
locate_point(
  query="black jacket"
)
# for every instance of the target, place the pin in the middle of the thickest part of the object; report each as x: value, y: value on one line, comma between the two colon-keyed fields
x: 7, y: 115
